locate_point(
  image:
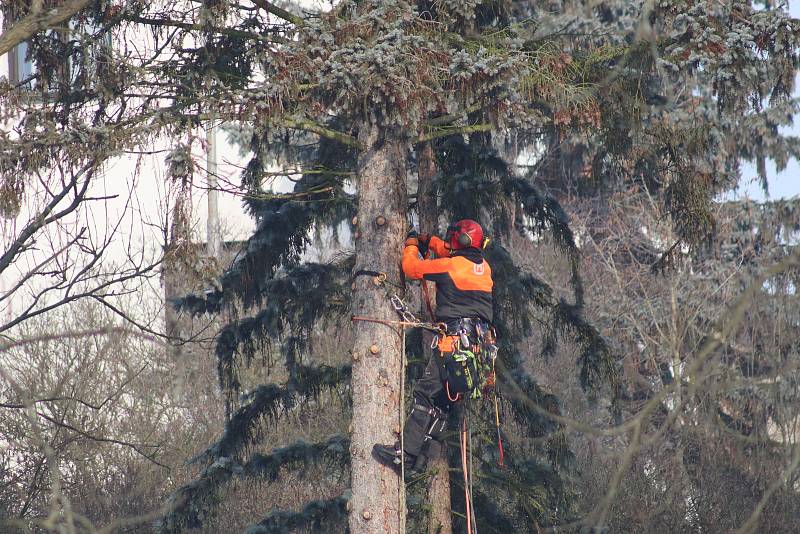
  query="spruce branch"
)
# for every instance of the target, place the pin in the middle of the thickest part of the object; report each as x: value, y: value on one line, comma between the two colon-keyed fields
x: 545, y: 214
x: 444, y: 120
x: 518, y: 294
x: 299, y: 455
x: 490, y: 514
x: 533, y: 422
x: 295, y: 302
x: 268, y: 401
x: 280, y: 238
x: 198, y: 499
x: 317, y: 517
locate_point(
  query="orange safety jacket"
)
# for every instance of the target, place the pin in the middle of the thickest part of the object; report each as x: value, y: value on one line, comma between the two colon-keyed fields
x: 463, y: 280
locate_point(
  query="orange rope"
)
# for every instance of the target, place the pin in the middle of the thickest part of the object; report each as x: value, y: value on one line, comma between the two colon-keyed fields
x: 451, y: 399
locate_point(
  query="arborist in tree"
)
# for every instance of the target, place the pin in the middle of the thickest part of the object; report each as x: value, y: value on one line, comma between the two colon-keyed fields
x: 464, y: 304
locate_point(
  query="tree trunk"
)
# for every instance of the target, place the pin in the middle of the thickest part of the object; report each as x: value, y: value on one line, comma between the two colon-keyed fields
x: 377, y: 504
x: 427, y: 206
x: 440, y: 520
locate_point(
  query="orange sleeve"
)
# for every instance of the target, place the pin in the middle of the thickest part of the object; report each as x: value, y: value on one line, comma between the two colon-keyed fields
x: 415, y: 267
x: 438, y: 247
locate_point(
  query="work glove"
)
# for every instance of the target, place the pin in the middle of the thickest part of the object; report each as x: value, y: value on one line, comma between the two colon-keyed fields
x: 411, y: 239
x: 424, y: 240
x: 419, y: 240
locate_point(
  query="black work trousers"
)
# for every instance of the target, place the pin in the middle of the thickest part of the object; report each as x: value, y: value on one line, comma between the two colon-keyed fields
x: 426, y: 424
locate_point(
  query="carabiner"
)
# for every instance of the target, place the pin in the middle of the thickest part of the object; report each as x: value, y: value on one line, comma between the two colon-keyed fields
x: 397, y: 304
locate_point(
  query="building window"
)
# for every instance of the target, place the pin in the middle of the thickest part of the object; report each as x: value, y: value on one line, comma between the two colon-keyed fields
x: 20, y: 67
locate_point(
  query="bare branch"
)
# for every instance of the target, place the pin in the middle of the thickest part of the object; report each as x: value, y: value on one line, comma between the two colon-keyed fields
x: 135, y: 446
x: 202, y: 27
x: 279, y: 12
x: 37, y: 21
x: 456, y: 130
x: 313, y: 127
x: 72, y: 335
x: 44, y: 218
x: 97, y: 407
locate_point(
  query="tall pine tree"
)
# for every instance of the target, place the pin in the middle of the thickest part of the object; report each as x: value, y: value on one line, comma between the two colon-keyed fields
x: 672, y: 94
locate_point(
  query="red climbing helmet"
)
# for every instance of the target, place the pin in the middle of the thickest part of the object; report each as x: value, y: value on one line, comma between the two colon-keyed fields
x: 465, y: 233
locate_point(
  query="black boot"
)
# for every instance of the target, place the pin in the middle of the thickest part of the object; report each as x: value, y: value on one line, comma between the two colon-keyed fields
x: 389, y: 455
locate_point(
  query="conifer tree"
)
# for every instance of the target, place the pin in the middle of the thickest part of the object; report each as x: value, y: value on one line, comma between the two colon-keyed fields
x: 673, y: 94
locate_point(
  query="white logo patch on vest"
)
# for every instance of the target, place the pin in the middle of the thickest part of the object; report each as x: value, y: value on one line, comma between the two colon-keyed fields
x: 477, y: 268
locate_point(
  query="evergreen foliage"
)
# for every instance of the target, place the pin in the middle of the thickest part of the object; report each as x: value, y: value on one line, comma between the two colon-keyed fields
x: 475, y: 181
x: 668, y: 96
x: 316, y: 517
x: 300, y: 297
x: 268, y: 401
x: 190, y: 503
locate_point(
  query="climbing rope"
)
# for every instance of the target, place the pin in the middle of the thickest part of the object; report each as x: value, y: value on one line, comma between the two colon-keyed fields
x: 501, y: 462
x: 470, y: 475
x: 402, y: 502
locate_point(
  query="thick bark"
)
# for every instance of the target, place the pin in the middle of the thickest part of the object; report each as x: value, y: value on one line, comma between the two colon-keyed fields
x: 439, y: 520
x: 377, y: 504
x: 426, y: 196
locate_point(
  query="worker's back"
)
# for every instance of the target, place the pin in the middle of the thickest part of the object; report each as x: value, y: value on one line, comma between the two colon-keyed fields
x: 463, y: 282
